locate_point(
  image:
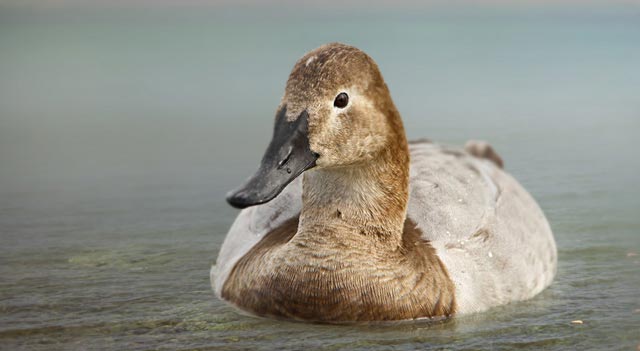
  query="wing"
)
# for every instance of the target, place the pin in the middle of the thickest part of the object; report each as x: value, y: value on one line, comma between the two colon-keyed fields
x: 488, y: 231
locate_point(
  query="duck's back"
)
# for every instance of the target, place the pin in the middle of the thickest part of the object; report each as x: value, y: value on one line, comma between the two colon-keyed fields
x: 487, y: 230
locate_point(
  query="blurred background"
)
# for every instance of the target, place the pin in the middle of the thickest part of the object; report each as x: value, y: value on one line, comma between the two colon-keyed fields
x: 124, y: 123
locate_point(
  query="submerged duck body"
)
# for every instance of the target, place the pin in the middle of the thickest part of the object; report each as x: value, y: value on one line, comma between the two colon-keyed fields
x: 346, y: 221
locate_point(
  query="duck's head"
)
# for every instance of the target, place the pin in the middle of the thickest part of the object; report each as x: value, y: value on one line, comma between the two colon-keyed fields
x: 336, y: 111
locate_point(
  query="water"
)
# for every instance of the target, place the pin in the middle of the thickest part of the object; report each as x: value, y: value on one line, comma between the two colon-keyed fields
x: 121, y: 130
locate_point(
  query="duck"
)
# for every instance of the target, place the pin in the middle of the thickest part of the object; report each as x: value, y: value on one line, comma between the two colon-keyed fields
x: 346, y: 221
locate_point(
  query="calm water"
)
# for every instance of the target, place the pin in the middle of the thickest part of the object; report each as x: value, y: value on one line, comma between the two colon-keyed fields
x: 120, y: 132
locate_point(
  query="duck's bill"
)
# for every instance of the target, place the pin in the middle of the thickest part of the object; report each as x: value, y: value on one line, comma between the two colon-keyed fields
x: 287, y: 156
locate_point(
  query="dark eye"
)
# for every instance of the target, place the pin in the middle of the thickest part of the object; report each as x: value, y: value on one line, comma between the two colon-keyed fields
x: 341, y: 100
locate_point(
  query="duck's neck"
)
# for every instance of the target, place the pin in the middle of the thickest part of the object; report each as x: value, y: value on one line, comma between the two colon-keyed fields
x: 368, y: 199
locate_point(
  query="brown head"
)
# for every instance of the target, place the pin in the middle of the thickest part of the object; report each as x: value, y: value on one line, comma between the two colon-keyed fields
x: 336, y: 111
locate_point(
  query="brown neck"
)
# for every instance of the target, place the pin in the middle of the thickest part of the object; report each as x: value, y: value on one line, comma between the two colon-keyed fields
x: 369, y: 198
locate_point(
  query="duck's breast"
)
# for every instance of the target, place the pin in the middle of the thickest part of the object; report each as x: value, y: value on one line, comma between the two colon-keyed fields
x: 251, y: 225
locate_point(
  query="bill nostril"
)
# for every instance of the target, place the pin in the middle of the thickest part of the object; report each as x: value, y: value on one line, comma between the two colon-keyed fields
x: 285, y: 159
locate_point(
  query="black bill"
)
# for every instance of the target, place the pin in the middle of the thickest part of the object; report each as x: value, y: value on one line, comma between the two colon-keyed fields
x: 287, y: 156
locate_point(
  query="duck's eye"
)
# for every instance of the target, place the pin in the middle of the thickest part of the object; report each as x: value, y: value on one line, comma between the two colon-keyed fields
x: 341, y: 100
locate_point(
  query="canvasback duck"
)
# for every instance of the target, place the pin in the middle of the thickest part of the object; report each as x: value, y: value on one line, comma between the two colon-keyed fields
x: 346, y: 221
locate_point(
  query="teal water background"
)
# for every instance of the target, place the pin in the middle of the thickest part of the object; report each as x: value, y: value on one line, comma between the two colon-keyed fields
x: 122, y: 128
